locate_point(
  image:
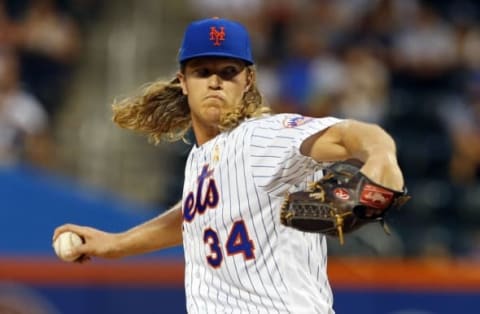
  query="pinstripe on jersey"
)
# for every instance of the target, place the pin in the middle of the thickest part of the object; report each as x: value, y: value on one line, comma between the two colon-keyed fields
x: 239, y: 258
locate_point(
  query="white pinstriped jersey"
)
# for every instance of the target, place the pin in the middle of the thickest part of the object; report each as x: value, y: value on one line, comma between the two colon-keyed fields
x: 239, y: 258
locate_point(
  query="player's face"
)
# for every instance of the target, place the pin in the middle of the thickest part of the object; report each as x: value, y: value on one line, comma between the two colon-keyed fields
x: 214, y: 86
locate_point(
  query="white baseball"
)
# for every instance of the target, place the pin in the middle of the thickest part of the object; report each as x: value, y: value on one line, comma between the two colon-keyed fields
x: 64, y: 244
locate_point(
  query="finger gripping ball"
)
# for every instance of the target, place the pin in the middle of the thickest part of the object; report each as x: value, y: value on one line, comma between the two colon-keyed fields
x: 64, y: 245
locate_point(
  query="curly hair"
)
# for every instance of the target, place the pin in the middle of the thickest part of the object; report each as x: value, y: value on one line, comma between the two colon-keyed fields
x: 161, y: 110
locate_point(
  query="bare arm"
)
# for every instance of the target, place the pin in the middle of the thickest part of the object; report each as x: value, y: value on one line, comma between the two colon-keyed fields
x: 158, y: 233
x: 366, y: 142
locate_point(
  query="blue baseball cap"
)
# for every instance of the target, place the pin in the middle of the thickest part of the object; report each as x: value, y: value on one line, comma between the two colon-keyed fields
x: 216, y: 37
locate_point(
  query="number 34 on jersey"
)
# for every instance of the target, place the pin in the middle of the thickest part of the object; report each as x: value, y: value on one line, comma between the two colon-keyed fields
x: 238, y: 240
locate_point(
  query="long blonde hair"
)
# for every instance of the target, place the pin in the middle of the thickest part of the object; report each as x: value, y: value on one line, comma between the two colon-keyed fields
x: 161, y: 110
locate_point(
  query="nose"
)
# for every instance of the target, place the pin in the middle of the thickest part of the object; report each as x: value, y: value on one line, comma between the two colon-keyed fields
x: 214, y: 81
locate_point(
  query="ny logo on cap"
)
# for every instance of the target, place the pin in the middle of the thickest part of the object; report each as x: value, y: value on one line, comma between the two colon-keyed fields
x: 217, y: 36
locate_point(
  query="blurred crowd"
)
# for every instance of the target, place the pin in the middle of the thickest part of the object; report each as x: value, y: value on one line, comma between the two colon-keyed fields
x: 412, y: 66
x: 40, y: 45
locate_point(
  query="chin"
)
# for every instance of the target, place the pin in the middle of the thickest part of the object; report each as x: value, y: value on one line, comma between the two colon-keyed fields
x: 214, y: 109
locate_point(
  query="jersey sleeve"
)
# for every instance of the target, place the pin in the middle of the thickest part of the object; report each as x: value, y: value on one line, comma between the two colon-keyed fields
x: 275, y: 155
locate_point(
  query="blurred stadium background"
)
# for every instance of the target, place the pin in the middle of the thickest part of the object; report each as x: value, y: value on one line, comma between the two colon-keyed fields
x: 411, y: 66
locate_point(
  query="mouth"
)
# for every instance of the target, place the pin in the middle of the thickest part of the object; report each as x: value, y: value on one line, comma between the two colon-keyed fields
x: 214, y: 97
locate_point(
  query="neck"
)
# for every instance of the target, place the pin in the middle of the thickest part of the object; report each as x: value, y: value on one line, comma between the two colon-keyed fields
x: 203, y: 135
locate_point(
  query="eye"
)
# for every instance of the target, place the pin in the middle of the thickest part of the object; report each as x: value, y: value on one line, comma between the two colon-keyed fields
x: 201, y: 72
x: 229, y: 72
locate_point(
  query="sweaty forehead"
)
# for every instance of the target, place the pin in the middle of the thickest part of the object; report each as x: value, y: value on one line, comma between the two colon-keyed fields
x: 214, y: 61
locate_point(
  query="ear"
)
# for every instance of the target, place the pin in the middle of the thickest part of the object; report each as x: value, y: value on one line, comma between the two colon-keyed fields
x: 181, y: 78
x: 250, y: 80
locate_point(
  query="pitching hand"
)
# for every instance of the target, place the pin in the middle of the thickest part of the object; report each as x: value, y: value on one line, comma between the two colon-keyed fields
x: 97, y: 243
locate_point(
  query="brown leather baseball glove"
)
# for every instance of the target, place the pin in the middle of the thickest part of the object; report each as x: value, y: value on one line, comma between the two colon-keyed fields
x: 341, y: 202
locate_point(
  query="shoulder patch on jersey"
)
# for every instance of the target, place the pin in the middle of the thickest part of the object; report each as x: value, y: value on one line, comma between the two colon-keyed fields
x: 294, y: 121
